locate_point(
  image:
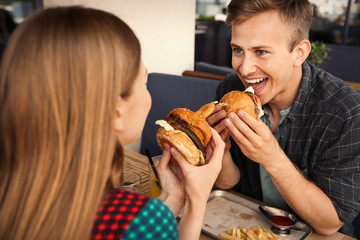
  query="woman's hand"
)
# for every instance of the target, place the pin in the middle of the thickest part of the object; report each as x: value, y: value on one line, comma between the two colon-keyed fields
x: 172, y: 187
x: 199, y: 180
x: 230, y: 173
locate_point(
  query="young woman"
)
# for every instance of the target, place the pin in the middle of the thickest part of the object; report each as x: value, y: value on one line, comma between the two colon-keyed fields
x: 72, y: 93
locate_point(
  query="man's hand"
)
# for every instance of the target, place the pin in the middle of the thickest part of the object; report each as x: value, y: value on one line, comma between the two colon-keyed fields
x: 216, y: 121
x: 254, y: 138
x: 304, y: 197
x: 230, y: 173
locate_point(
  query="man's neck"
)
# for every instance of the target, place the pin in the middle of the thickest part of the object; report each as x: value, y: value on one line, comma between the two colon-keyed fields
x: 283, y: 100
x: 275, y: 117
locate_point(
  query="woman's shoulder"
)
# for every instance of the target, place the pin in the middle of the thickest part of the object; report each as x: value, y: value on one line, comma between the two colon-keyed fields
x: 122, y: 200
x: 116, y: 212
x: 128, y: 215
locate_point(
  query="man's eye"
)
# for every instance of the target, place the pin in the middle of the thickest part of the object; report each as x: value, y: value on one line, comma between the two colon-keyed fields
x: 261, y: 52
x: 237, y: 50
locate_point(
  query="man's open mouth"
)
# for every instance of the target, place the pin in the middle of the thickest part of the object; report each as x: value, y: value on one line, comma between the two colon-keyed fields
x: 255, y: 80
x: 257, y: 83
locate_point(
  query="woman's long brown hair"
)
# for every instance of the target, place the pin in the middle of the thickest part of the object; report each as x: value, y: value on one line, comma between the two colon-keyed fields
x: 61, y: 74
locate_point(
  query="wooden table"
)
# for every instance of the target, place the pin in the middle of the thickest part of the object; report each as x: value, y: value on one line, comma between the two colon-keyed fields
x: 139, y: 163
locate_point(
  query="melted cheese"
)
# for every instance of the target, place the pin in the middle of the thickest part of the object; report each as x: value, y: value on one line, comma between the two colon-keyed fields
x: 164, y: 124
x: 261, y: 113
x: 223, y: 104
x: 250, y: 90
x: 202, y: 160
x: 168, y: 127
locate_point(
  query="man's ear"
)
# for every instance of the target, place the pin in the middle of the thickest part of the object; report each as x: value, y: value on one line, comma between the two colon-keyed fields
x: 302, y: 51
x: 119, y: 115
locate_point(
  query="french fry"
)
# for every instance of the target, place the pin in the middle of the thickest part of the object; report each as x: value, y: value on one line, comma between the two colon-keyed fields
x: 260, y: 233
x: 266, y: 232
x: 273, y: 235
x: 253, y: 233
x: 238, y: 233
x: 252, y: 236
x: 228, y: 237
x: 234, y: 232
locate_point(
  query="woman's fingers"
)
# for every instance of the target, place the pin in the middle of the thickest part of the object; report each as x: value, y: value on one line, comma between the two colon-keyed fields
x: 216, y: 150
x: 218, y: 147
x: 165, y: 157
x: 179, y: 158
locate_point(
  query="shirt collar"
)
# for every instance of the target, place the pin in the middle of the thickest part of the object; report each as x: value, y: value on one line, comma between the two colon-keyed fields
x: 266, y: 117
x: 304, y: 89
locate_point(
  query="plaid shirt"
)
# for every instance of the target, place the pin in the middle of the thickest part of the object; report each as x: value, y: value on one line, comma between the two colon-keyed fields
x: 320, y: 135
x: 130, y: 216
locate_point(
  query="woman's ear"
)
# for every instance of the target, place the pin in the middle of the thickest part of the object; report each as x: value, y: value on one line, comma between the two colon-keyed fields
x: 302, y: 51
x: 119, y: 115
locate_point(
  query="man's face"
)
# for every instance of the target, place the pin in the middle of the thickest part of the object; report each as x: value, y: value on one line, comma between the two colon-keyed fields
x: 262, y: 59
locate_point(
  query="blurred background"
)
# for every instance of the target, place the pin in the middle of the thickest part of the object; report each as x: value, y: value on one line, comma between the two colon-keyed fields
x: 334, y: 22
x: 181, y: 33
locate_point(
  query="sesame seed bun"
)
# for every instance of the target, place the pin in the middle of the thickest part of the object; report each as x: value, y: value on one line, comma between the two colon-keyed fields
x: 235, y: 101
x: 191, y: 134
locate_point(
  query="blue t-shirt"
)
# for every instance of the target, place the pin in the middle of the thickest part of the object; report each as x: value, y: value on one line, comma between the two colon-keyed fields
x: 270, y: 193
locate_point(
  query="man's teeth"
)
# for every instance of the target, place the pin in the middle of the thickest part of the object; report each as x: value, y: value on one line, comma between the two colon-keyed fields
x: 256, y: 80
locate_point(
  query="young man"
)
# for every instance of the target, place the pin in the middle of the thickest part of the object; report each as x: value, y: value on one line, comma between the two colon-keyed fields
x: 304, y: 155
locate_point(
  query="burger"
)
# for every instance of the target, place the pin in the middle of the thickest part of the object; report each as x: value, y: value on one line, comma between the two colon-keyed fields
x: 187, y: 131
x: 235, y: 101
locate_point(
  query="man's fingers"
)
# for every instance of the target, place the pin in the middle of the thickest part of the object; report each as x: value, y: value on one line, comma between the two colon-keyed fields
x: 225, y: 134
x: 234, y: 126
x: 216, y: 117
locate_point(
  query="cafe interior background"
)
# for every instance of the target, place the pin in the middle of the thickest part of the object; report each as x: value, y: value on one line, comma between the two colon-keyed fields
x: 175, y: 34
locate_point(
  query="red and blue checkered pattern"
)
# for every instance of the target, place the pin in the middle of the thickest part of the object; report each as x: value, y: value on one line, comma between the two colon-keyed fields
x: 128, y: 215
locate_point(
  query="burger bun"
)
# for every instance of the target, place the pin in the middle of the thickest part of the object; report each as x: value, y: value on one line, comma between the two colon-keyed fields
x: 181, y: 142
x: 235, y: 101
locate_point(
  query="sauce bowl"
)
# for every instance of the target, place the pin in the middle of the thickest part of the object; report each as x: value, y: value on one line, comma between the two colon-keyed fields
x: 282, y: 221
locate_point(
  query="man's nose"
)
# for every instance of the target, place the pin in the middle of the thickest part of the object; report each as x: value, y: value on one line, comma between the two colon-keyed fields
x: 247, y: 65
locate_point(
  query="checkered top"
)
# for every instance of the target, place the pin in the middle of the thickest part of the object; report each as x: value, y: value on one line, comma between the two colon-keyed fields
x: 128, y: 215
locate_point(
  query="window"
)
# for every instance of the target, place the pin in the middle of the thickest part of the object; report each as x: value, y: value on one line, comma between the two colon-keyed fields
x: 336, y: 21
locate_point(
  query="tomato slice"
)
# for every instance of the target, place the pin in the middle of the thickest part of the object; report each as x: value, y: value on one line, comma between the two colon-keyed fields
x: 176, y: 128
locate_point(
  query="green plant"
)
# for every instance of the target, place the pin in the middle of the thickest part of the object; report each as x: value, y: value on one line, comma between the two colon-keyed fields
x: 319, y: 53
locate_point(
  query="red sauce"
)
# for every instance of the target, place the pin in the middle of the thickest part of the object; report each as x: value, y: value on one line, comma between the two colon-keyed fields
x: 176, y: 128
x: 280, y: 220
